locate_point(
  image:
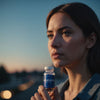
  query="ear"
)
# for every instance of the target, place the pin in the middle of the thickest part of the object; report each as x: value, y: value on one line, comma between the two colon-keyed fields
x: 91, y: 40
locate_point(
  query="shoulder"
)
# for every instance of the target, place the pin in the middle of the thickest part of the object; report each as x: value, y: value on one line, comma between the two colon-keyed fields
x: 63, y: 85
x: 96, y: 88
x: 60, y: 86
x: 92, y: 89
x: 97, y: 95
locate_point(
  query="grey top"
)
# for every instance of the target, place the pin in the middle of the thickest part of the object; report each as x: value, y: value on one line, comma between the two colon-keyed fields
x: 91, y: 91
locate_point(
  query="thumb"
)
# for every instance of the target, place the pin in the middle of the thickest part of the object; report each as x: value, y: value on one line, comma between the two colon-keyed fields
x: 43, y: 93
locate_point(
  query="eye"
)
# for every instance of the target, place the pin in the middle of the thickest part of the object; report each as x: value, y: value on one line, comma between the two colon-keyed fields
x: 50, y: 36
x: 66, y: 33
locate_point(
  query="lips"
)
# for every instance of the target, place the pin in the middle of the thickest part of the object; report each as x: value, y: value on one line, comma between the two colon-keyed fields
x: 56, y: 55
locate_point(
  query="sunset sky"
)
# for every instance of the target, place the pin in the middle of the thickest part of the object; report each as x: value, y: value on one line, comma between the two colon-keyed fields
x: 23, y: 40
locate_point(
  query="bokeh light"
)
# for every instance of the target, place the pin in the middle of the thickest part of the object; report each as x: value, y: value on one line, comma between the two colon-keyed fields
x: 6, y: 94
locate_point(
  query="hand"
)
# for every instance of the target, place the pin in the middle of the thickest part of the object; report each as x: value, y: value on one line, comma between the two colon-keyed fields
x: 54, y: 95
x: 42, y: 94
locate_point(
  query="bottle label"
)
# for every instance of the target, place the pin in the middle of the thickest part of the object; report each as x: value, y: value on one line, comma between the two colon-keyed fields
x: 49, y: 77
x: 49, y: 81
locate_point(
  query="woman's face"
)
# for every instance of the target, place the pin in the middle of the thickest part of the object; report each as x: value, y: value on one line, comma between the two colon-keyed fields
x: 66, y: 42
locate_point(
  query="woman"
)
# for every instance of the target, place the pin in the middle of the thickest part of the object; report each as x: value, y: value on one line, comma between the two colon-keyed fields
x: 73, y: 32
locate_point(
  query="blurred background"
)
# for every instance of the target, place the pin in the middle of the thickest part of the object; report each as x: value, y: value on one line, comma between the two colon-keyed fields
x: 23, y: 45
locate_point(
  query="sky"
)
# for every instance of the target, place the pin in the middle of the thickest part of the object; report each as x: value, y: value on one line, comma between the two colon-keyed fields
x: 23, y: 40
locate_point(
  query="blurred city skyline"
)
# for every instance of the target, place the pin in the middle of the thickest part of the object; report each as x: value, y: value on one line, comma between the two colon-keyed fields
x: 23, y: 40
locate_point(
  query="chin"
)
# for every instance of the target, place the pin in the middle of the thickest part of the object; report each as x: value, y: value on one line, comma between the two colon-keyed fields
x: 58, y: 64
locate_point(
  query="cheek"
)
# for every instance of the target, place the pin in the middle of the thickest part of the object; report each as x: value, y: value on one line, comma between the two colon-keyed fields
x: 75, y: 47
x: 49, y: 47
x: 79, y: 44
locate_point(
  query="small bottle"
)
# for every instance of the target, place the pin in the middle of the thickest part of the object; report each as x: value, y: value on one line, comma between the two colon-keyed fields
x: 49, y: 78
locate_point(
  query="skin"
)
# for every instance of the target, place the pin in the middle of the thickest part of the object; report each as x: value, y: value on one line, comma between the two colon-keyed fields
x: 42, y: 94
x: 68, y: 48
x: 66, y: 43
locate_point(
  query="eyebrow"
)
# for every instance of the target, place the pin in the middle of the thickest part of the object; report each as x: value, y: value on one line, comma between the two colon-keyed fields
x: 62, y: 28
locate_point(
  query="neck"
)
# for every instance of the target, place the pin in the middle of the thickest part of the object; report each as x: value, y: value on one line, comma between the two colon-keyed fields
x: 78, y: 77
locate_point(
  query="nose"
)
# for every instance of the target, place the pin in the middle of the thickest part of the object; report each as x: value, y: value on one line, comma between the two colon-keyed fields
x: 56, y: 42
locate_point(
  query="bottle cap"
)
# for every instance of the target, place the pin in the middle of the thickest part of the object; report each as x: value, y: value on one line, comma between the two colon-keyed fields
x: 48, y: 68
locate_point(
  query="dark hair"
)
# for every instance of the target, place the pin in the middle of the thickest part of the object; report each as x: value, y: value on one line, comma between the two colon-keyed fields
x: 86, y: 19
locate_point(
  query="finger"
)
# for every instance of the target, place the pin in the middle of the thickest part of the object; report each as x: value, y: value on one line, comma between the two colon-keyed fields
x: 44, y: 93
x: 33, y: 98
x: 40, y: 94
x: 55, y: 90
x: 54, y: 95
x: 51, y: 93
x: 37, y: 96
x: 52, y: 98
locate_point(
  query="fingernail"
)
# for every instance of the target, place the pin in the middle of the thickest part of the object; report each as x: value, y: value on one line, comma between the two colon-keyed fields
x: 41, y: 88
